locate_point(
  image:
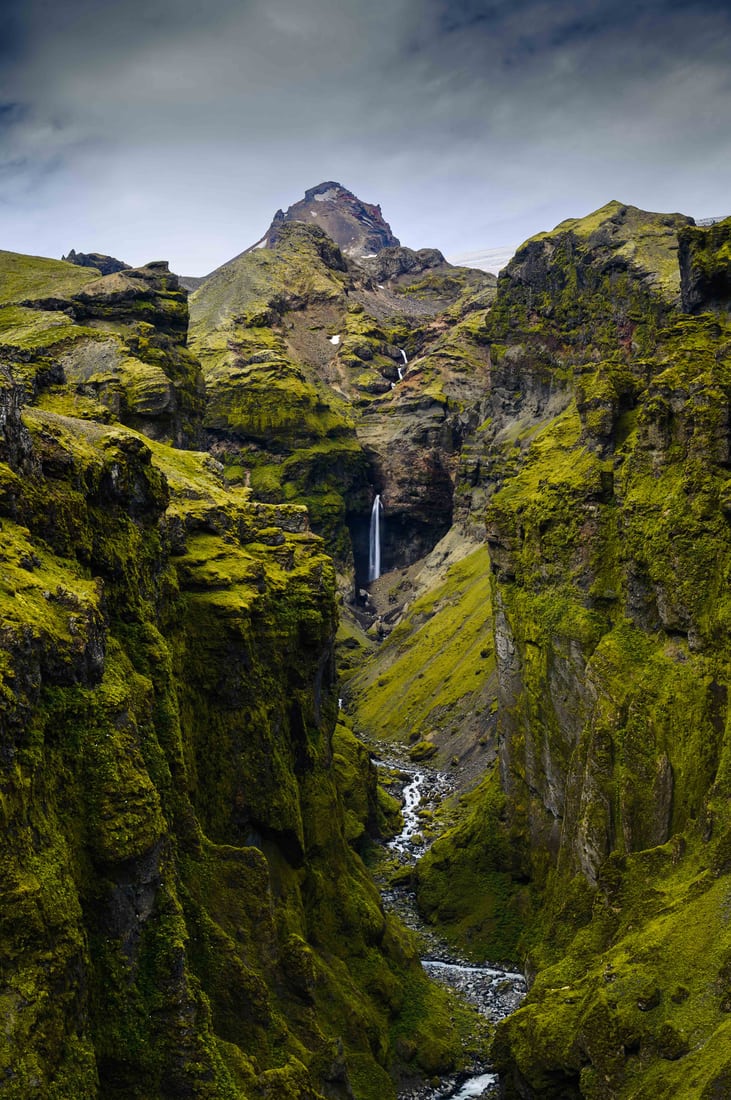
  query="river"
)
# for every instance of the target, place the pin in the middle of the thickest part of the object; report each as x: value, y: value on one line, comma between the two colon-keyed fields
x: 493, y: 989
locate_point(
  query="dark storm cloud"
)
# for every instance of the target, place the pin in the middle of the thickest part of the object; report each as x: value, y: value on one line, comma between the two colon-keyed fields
x: 176, y: 128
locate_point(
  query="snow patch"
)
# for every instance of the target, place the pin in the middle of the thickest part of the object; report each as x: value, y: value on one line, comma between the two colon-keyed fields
x: 335, y: 339
x: 324, y: 196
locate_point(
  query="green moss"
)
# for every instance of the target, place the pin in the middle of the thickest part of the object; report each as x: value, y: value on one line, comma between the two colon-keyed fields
x: 465, y: 882
x: 431, y: 668
x: 650, y: 950
x: 167, y: 638
x: 647, y: 241
x: 21, y: 327
x: 33, y: 277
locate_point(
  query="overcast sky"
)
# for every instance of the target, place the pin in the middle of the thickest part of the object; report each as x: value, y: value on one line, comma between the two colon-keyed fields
x: 173, y: 129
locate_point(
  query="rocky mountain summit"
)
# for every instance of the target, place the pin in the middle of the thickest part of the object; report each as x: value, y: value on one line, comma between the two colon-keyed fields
x: 357, y: 227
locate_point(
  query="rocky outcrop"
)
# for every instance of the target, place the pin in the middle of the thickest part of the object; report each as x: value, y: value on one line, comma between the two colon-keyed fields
x: 113, y: 347
x: 619, y: 238
x: 705, y: 267
x: 106, y: 265
x: 357, y: 227
x: 393, y: 261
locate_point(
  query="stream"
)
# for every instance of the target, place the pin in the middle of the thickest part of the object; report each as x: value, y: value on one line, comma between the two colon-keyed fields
x: 494, y: 990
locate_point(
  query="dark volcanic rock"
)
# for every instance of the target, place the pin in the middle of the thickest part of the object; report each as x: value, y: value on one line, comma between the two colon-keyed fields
x: 106, y: 264
x: 704, y: 255
x: 150, y: 293
x: 393, y: 261
x: 358, y: 227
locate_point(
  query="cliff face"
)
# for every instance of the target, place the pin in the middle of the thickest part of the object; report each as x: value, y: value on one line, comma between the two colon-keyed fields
x: 310, y: 395
x: 604, y: 832
x: 108, y: 348
x: 181, y: 911
x: 705, y: 265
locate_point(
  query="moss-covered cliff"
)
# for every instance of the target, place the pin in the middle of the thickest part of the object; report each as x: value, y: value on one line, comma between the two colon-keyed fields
x: 182, y: 911
x: 597, y: 850
x: 104, y: 348
x: 309, y: 395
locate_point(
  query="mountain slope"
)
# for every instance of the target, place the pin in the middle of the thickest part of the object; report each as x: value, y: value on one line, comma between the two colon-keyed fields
x: 304, y: 354
x: 600, y: 478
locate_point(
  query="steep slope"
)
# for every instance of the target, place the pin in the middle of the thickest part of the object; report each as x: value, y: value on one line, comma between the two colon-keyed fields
x: 271, y: 418
x: 310, y: 395
x: 357, y: 227
x: 111, y: 347
x: 600, y: 479
x: 181, y: 913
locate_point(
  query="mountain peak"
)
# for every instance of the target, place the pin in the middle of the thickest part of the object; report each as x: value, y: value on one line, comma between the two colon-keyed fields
x: 358, y: 227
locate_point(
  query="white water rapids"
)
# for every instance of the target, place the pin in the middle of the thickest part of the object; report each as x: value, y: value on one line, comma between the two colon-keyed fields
x: 494, y: 990
x: 411, y: 795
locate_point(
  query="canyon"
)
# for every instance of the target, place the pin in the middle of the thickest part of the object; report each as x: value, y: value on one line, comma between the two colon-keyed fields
x: 342, y: 503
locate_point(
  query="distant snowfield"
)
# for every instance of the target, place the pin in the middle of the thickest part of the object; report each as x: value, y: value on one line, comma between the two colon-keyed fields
x: 487, y: 259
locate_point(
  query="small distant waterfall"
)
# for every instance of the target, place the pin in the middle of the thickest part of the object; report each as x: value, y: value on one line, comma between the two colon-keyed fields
x: 403, y: 355
x: 374, y: 541
x: 401, y: 369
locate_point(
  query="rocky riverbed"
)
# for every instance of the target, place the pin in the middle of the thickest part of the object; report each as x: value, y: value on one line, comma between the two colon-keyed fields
x: 494, y: 990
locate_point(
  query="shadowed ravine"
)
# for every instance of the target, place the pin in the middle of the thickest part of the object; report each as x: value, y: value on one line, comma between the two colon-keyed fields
x: 492, y: 989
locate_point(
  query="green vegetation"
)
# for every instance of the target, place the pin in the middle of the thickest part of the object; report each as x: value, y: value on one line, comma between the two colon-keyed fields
x: 466, y: 881
x: 280, y: 429
x: 648, y: 242
x: 611, y: 552
x: 436, y: 669
x: 184, y: 909
x: 107, y: 349
x: 596, y: 851
x: 24, y: 278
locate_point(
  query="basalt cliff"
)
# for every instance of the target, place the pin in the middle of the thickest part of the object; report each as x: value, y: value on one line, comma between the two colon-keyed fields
x: 186, y: 486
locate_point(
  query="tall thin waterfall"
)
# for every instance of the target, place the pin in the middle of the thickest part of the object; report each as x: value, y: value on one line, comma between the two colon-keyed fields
x: 374, y: 541
x: 401, y: 369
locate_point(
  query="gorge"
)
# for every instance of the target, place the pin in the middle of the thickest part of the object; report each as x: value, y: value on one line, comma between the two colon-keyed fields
x: 197, y: 565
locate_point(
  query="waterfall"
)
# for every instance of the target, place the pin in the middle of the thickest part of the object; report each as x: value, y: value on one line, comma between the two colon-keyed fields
x: 403, y: 353
x: 401, y: 369
x: 374, y: 541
